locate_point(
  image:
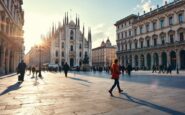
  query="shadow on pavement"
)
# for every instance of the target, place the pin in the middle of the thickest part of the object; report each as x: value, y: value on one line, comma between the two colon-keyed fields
x: 78, y: 79
x: 149, y: 104
x: 13, y: 87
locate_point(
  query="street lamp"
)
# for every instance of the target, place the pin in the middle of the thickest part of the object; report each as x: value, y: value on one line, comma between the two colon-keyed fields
x: 40, y: 75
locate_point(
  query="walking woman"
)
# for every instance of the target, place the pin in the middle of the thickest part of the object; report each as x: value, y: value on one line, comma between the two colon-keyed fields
x: 66, y: 68
x: 115, y: 75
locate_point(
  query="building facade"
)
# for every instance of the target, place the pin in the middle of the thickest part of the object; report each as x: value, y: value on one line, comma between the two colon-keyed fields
x: 154, y: 38
x: 11, y: 35
x: 69, y: 44
x: 104, y: 55
x: 39, y: 53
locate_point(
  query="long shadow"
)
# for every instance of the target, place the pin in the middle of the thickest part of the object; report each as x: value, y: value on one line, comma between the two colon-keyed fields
x: 78, y: 79
x: 13, y: 87
x: 149, y: 104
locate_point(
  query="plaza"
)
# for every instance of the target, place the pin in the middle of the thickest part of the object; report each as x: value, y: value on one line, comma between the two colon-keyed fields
x: 87, y: 94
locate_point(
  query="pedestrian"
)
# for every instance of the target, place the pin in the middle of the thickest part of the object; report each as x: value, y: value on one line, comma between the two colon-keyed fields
x: 129, y: 69
x: 115, y: 71
x: 33, y: 71
x: 66, y: 68
x: 21, y: 69
x: 37, y: 70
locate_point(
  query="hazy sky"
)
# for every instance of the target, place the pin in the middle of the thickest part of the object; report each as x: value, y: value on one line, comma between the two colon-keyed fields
x: 100, y: 15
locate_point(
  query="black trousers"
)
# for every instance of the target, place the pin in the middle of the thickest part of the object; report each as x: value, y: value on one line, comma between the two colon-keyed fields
x: 116, y: 82
x: 65, y: 73
x: 21, y: 76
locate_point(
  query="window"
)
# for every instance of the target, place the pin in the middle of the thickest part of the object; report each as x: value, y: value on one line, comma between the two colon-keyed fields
x: 147, y: 28
x: 125, y: 34
x: 71, y: 35
x: 136, y: 45
x: 141, y: 29
x: 135, y: 31
x: 162, y: 23
x: 155, y: 42
x: 181, y: 36
x: 118, y: 36
x: 154, y: 25
x: 62, y: 44
x: 126, y: 47
x: 130, y: 45
x: 171, y: 20
x: 129, y: 33
x: 148, y: 43
x: 71, y: 48
x: 80, y: 47
x: 171, y: 39
x: 180, y: 18
x: 56, y: 53
x: 122, y: 35
x: 162, y: 40
x: 62, y: 54
x: 80, y: 54
x: 141, y: 43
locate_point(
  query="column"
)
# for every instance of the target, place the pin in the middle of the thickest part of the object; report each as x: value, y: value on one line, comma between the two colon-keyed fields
x: 145, y: 59
x: 178, y: 58
x: 168, y: 58
x: 3, y: 60
x: 139, y: 61
x: 7, y: 61
x: 160, y: 58
x: 133, y: 61
x: 176, y: 37
x: 152, y: 60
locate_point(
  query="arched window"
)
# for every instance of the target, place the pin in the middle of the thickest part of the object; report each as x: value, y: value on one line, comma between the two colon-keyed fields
x: 71, y: 35
x: 80, y: 54
x: 71, y: 48
x: 80, y: 47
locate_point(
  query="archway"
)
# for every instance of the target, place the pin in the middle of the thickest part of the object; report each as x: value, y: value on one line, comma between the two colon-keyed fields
x: 156, y: 59
x: 126, y: 60
x: 173, y: 59
x: 148, y: 61
x: 182, y: 59
x: 164, y: 59
x: 71, y: 62
x: 142, y: 61
x: 136, y: 60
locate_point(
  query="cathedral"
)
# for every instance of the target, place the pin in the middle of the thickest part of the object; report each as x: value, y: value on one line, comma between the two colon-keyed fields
x: 69, y: 43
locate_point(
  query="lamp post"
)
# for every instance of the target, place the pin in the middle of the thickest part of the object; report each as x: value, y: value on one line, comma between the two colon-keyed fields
x: 40, y: 75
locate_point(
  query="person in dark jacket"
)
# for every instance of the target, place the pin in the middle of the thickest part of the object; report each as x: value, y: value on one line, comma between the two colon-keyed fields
x: 21, y: 69
x: 129, y: 69
x: 66, y: 68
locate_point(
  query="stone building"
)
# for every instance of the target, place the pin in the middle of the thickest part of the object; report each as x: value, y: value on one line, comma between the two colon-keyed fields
x: 39, y: 53
x: 11, y: 35
x: 154, y: 38
x: 104, y: 55
x: 69, y: 44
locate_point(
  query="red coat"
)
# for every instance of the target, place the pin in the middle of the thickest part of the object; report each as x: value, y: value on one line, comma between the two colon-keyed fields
x: 115, y: 71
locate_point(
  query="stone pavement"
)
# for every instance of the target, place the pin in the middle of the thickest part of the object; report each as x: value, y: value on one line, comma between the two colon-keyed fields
x: 82, y: 95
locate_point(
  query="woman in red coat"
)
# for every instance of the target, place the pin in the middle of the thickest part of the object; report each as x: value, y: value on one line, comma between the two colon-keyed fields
x: 115, y: 75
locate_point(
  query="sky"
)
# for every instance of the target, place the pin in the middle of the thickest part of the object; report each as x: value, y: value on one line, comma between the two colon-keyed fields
x: 99, y: 15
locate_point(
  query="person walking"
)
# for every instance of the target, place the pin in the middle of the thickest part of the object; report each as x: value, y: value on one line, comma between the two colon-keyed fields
x: 33, y: 71
x: 129, y: 69
x: 66, y: 68
x: 21, y: 69
x: 115, y: 71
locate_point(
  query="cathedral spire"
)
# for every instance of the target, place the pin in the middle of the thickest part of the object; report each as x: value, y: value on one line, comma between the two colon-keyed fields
x: 76, y: 20
x: 83, y: 31
x: 67, y: 18
x: 89, y: 35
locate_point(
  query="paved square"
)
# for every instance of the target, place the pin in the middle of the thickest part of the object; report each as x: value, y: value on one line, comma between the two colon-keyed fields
x: 83, y: 95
